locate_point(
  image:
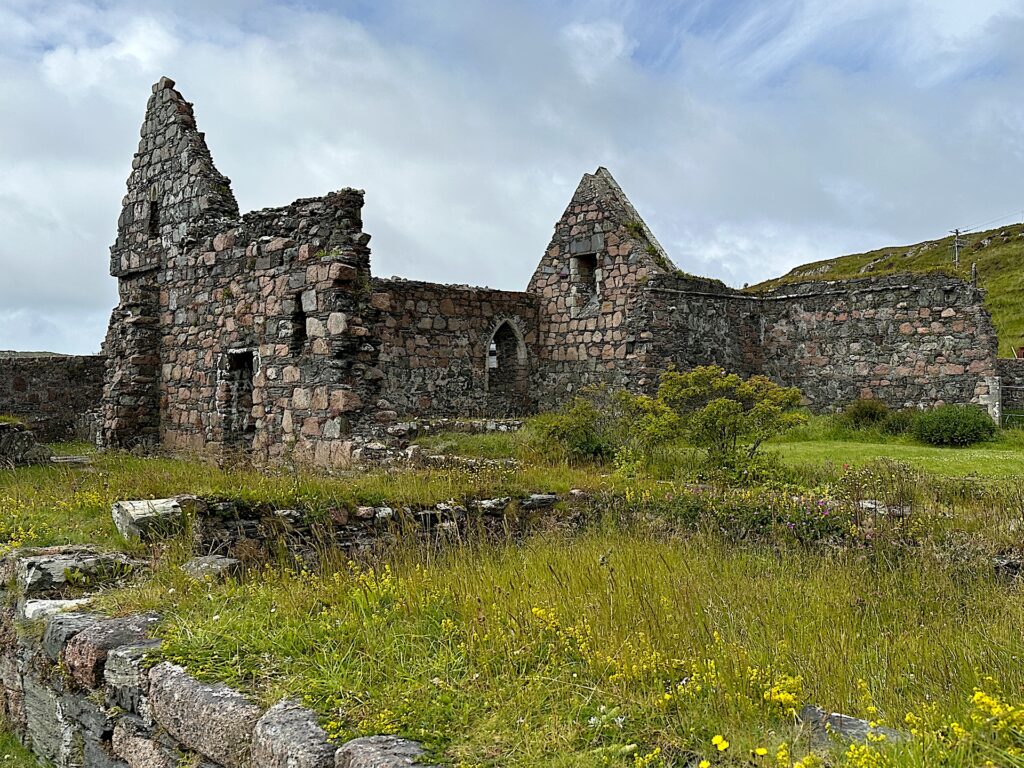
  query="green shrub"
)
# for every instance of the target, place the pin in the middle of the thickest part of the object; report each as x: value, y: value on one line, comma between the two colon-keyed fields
x: 954, y: 425
x: 590, y: 425
x: 865, y: 413
x: 898, y: 422
x: 727, y: 415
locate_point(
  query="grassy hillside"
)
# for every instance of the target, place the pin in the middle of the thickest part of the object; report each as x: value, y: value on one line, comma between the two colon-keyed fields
x: 999, y: 254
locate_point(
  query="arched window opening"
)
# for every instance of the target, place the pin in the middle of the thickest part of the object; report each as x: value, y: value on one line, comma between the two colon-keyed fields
x: 507, y: 374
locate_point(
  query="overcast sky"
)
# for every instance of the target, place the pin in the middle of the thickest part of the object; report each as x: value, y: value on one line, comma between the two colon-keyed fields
x: 752, y: 135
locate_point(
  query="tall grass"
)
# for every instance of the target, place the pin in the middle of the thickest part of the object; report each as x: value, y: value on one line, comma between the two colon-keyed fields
x: 606, y: 648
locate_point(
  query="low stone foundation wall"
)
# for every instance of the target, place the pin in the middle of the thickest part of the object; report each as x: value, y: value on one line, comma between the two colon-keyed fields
x: 83, y: 689
x: 51, y: 393
x: 80, y: 689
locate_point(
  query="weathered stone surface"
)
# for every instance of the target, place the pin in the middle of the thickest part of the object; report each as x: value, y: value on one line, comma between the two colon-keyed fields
x: 34, y: 610
x: 48, y: 734
x: 288, y: 736
x: 18, y: 447
x: 824, y: 725
x: 51, y: 393
x: 82, y: 569
x: 211, y: 567
x: 147, y: 519
x: 213, y: 720
x: 126, y: 678
x: 133, y: 744
x: 61, y: 627
x: 378, y: 752
x: 86, y: 653
x: 539, y: 501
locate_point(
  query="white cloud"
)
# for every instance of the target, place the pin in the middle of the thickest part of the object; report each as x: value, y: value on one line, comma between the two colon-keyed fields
x: 751, y: 139
x: 596, y: 46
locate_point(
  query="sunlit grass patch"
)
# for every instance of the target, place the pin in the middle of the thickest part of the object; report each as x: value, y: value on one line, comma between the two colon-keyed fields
x: 601, y: 649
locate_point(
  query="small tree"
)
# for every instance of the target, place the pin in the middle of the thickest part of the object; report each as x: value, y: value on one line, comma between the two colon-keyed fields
x: 727, y: 415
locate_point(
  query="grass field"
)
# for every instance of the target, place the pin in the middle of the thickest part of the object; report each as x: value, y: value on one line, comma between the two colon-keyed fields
x: 633, y: 642
x: 614, y: 648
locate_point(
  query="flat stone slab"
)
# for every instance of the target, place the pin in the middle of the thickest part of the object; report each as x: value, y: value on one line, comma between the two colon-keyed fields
x: 39, y: 575
x: 379, y: 752
x: 824, y: 725
x: 211, y: 567
x: 539, y: 501
x: 35, y: 610
x: 148, y: 519
x: 213, y: 720
x: 289, y: 736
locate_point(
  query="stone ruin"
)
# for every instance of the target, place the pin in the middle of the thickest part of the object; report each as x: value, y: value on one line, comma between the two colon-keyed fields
x: 267, y: 333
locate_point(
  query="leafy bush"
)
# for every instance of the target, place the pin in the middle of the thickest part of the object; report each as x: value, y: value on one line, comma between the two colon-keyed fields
x: 898, y: 422
x: 590, y: 425
x: 865, y: 413
x: 954, y: 425
x: 727, y: 415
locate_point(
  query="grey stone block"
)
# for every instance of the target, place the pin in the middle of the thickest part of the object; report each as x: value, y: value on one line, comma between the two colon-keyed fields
x: 86, y: 653
x: 47, y: 574
x: 127, y: 679
x: 211, y: 567
x: 61, y: 627
x: 288, y: 736
x: 213, y: 720
x: 378, y: 752
x: 150, y: 519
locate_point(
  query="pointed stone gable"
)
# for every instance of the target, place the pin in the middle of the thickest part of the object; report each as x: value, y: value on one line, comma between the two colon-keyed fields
x: 173, y: 188
x: 600, y: 220
x: 601, y: 255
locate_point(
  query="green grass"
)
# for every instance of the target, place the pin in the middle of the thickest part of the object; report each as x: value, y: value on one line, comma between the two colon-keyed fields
x: 999, y: 273
x: 996, y: 460
x: 13, y: 755
x: 606, y: 648
x: 8, y: 419
x: 57, y: 504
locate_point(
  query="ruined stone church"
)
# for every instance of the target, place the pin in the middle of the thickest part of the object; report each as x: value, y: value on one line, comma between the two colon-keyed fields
x: 267, y: 331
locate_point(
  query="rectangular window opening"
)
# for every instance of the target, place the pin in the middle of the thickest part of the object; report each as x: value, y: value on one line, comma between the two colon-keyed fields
x: 297, y: 343
x: 586, y: 275
x: 154, y: 219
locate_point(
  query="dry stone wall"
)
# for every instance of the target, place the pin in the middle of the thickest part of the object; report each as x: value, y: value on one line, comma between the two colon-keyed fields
x: 915, y: 341
x: 82, y: 689
x: 51, y: 393
x: 435, y: 349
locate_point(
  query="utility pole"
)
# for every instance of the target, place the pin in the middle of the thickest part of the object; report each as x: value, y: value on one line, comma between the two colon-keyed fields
x: 957, y: 245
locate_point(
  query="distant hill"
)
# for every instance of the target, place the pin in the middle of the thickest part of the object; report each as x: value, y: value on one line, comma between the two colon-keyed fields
x: 999, y: 254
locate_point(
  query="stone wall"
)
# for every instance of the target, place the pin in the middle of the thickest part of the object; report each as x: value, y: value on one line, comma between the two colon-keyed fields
x: 267, y: 333
x: 909, y: 341
x: 234, y: 333
x: 436, y: 350
x: 589, y: 281
x: 684, y: 321
x: 78, y: 688
x: 266, y: 345
x: 51, y: 393
x: 1011, y: 379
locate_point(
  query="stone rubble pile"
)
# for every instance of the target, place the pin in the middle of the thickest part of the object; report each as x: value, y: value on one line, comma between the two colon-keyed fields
x: 18, y: 446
